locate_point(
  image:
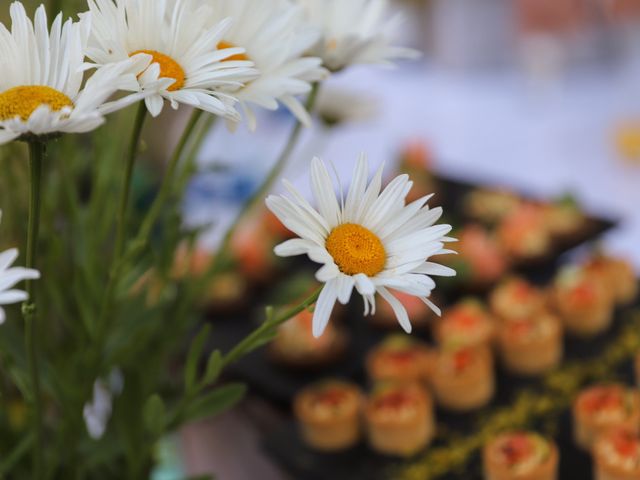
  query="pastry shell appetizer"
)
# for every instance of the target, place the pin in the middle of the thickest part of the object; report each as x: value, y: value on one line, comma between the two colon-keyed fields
x: 532, y: 345
x: 400, y: 419
x: 617, y: 274
x: 523, y: 235
x: 616, y: 455
x: 467, y: 323
x: 582, y: 301
x: 520, y: 456
x: 601, y: 408
x: 295, y: 346
x: 463, y: 378
x: 329, y: 415
x: 516, y: 298
x: 400, y: 358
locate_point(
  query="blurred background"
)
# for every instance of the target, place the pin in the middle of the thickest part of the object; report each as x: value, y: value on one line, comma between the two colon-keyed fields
x: 539, y: 96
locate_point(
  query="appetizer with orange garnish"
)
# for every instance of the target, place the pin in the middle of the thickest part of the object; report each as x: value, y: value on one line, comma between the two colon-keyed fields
x: 399, y: 419
x: 531, y: 345
x: 616, y: 455
x: 480, y: 258
x: 418, y: 311
x: 520, y: 456
x: 463, y: 378
x: 252, y: 249
x: 564, y: 220
x: 416, y: 160
x: 601, y: 408
x: 467, y: 323
x: 583, y: 302
x: 491, y: 206
x: 295, y: 346
x: 618, y: 275
x: 329, y: 415
x: 523, y: 233
x: 400, y: 358
x: 516, y: 298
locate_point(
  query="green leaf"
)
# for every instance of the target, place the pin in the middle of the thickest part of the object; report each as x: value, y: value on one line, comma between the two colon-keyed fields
x: 197, y: 346
x: 154, y: 414
x: 214, y: 367
x: 216, y: 402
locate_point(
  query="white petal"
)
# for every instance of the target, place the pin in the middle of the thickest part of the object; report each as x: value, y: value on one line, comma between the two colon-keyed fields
x: 345, y: 287
x: 293, y: 247
x: 398, y: 309
x: 12, y: 296
x: 327, y: 273
x: 324, y: 307
x: 7, y: 258
x: 430, y: 268
x: 364, y: 284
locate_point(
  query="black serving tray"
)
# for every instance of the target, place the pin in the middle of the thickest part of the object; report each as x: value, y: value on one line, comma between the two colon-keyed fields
x: 286, y: 446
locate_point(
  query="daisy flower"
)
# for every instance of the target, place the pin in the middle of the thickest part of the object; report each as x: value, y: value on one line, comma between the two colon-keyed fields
x: 275, y: 37
x: 372, y: 241
x: 9, y: 277
x: 355, y: 32
x: 41, y: 90
x: 187, y: 57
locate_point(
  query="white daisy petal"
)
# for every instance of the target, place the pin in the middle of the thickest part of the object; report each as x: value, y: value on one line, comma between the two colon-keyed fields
x: 12, y: 296
x: 324, y: 307
x: 189, y: 64
x: 430, y: 268
x: 48, y: 66
x: 355, y: 32
x: 3, y: 316
x: 345, y: 239
x: 398, y: 309
x: 432, y: 306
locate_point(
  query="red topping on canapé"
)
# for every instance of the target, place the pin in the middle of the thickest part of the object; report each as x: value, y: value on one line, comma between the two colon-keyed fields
x: 462, y: 359
x: 393, y: 400
x: 331, y: 396
x: 583, y: 293
x: 403, y: 357
x: 521, y: 290
x: 625, y: 443
x: 520, y: 327
x: 464, y: 318
x: 516, y: 448
x: 601, y: 398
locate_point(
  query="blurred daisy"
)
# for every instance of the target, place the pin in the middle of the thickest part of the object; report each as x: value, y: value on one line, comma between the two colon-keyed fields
x: 42, y: 73
x: 336, y: 106
x: 372, y: 241
x: 355, y: 32
x: 187, y: 57
x: 9, y: 277
x: 275, y: 37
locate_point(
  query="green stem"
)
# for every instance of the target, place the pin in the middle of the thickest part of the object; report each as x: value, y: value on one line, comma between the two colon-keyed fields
x: 142, y: 238
x: 126, y: 184
x: 262, y: 191
x: 36, y: 155
x: 121, y: 221
x: 270, y: 324
x: 241, y: 349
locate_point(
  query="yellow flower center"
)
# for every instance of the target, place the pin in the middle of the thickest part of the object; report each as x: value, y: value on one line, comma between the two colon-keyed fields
x: 356, y: 249
x: 169, y: 68
x: 240, y: 56
x: 23, y: 101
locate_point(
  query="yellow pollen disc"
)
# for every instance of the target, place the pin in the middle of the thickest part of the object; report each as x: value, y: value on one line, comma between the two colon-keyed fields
x: 169, y: 68
x: 23, y: 101
x: 356, y: 249
x: 240, y: 56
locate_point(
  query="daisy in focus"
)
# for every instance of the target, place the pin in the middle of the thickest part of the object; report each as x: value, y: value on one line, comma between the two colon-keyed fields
x: 189, y: 65
x: 371, y: 241
x: 9, y: 277
x: 355, y: 32
x: 275, y: 37
x: 41, y: 91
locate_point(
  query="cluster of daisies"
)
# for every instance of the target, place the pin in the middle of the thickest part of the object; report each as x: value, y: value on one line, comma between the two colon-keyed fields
x: 227, y: 57
x: 214, y: 55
